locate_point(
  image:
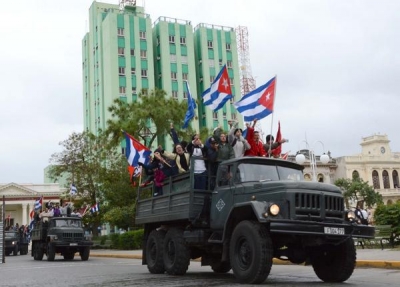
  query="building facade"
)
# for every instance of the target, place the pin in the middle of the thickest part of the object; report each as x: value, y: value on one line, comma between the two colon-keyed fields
x: 123, y: 53
x: 376, y: 164
x: 20, y: 200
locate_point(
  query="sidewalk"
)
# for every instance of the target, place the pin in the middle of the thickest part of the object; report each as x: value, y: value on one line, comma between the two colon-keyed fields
x: 375, y: 258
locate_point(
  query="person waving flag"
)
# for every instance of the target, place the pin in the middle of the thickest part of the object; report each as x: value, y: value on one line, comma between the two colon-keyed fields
x: 220, y: 91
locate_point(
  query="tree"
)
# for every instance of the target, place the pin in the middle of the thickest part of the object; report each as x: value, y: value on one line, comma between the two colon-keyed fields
x: 357, y: 189
x: 153, y: 110
x: 389, y: 215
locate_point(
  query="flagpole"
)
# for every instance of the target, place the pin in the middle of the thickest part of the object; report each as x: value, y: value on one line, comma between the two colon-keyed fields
x: 272, y: 118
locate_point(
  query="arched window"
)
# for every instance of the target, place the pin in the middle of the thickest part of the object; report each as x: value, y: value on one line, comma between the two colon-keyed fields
x: 389, y: 202
x: 307, y: 177
x: 320, y: 177
x: 385, y: 177
x: 395, y: 177
x: 355, y: 174
x: 375, y: 179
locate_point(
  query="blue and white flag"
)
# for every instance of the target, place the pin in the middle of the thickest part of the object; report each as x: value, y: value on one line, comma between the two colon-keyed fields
x: 73, y: 189
x: 136, y: 152
x: 220, y: 91
x: 259, y: 103
x: 38, y: 203
x: 95, y: 208
x: 191, y: 106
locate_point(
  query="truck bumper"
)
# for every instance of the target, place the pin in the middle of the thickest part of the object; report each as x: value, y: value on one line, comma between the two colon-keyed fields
x: 322, y: 229
x: 71, y: 245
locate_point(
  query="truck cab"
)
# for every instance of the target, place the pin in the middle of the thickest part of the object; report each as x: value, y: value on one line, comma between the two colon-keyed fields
x: 15, y: 242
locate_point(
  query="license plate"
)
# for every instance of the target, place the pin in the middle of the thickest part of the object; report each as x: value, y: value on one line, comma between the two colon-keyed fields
x: 334, y: 230
x: 73, y: 244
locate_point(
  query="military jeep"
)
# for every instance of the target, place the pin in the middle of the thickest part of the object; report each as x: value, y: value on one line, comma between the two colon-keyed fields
x: 15, y: 242
x: 64, y: 235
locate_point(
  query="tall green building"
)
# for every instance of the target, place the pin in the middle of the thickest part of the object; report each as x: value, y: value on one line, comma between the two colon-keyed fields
x: 124, y: 53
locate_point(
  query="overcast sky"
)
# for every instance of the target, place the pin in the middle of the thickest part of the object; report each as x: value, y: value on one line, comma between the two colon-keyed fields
x: 337, y: 63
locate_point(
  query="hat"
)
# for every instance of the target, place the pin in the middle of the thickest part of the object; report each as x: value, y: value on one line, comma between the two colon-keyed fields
x: 269, y: 138
x: 212, y: 140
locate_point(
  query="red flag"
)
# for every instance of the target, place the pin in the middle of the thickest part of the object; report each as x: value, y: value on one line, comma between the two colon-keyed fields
x: 31, y: 214
x: 277, y: 151
x: 285, y: 156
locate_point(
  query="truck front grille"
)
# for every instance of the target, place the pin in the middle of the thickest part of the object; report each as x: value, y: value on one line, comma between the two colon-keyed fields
x: 316, y: 207
x: 72, y: 236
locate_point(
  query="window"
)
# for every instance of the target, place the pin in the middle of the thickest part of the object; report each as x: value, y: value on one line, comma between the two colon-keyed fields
x: 375, y: 180
x: 233, y: 116
x: 173, y: 75
x: 184, y: 76
x: 220, y: 62
x: 142, y: 35
x: 228, y: 46
x: 395, y: 177
x: 171, y: 39
x: 122, y: 90
x: 224, y: 115
x: 229, y: 64
x: 132, y: 52
x: 134, y: 91
x: 121, y: 71
x: 133, y: 71
x: 231, y: 81
x: 144, y: 73
x: 172, y: 58
x: 385, y: 177
x: 211, y: 62
x: 210, y: 44
x: 158, y: 40
x: 175, y: 94
x: 121, y: 51
x: 120, y: 31
x: 143, y: 54
x: 184, y: 60
x: 182, y: 40
x: 215, y: 116
x: 212, y: 78
x: 185, y: 95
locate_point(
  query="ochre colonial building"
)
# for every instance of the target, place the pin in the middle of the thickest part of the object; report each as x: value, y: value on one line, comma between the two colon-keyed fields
x: 20, y: 199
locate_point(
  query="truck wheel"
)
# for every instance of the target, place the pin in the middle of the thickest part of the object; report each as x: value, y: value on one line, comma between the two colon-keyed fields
x: 334, y: 263
x: 85, y: 253
x: 154, y: 252
x: 69, y: 255
x: 51, y: 252
x: 176, y: 253
x: 221, y: 267
x: 15, y: 251
x: 37, y: 252
x: 251, y: 252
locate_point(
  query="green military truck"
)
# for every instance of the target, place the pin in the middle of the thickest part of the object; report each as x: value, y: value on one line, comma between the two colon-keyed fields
x: 260, y: 209
x: 15, y: 242
x: 64, y: 235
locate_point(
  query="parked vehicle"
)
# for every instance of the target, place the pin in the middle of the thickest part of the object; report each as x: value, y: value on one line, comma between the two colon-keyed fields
x: 15, y: 242
x: 260, y: 209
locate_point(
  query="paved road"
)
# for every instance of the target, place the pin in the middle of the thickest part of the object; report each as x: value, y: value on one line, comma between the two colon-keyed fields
x: 110, y: 272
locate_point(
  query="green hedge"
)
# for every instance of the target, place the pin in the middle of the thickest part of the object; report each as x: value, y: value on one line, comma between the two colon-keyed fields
x: 130, y: 240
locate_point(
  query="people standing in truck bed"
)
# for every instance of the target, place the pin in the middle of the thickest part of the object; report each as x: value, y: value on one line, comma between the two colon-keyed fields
x: 239, y: 144
x: 256, y: 145
x: 197, y: 150
x: 181, y: 158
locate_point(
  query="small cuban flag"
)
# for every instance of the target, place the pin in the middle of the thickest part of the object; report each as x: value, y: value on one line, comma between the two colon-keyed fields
x: 73, y: 190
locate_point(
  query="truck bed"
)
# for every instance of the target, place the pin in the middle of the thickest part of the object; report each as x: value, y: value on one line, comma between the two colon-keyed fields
x: 179, y: 202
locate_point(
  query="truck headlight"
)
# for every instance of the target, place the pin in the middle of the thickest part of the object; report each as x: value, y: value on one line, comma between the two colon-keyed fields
x: 274, y: 209
x: 350, y: 215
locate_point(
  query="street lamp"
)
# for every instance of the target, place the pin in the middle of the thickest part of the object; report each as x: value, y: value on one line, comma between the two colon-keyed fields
x: 324, y: 158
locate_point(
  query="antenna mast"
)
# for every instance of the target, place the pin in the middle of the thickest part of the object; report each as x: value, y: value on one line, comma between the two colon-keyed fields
x: 247, y: 82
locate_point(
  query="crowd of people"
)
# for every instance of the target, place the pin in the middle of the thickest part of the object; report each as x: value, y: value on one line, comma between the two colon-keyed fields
x: 218, y: 147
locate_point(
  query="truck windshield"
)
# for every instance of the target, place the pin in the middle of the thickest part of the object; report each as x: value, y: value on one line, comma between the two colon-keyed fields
x: 258, y: 172
x: 68, y: 222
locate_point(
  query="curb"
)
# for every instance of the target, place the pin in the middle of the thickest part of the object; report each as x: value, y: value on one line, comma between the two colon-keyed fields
x: 359, y: 263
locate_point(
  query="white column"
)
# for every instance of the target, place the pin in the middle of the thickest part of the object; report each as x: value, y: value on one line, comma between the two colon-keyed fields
x: 24, y: 214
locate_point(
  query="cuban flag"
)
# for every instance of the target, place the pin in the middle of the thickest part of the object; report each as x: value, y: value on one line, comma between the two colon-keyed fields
x: 73, y: 189
x: 191, y: 107
x: 259, y: 103
x: 135, y: 151
x: 38, y: 203
x: 220, y: 91
x: 95, y: 208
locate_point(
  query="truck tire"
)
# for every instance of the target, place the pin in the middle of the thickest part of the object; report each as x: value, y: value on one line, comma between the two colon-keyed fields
x: 85, y: 253
x: 221, y: 267
x: 15, y: 251
x: 51, y: 252
x: 175, y: 253
x: 37, y: 252
x: 154, y: 252
x: 334, y: 263
x: 251, y: 252
x: 69, y: 255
